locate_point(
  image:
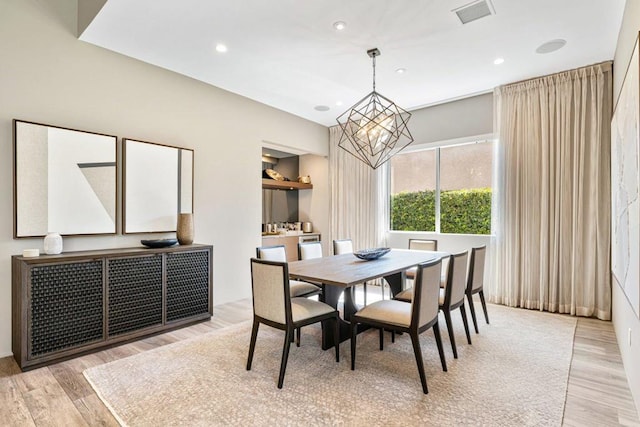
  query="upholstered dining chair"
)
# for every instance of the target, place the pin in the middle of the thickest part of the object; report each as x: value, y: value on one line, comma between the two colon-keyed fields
x: 414, y: 318
x: 452, y: 296
x: 298, y: 287
x: 420, y: 245
x: 274, y: 306
x: 475, y: 281
x: 345, y: 246
x: 309, y: 250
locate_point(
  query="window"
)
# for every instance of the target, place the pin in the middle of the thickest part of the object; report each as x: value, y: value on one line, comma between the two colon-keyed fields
x: 444, y: 189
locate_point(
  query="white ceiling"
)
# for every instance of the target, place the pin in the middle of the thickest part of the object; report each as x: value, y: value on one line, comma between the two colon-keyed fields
x: 286, y: 53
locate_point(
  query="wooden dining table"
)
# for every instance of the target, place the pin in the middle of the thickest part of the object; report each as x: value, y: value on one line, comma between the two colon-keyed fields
x: 339, y: 273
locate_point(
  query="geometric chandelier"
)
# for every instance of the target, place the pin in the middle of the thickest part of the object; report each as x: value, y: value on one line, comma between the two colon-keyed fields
x: 374, y: 129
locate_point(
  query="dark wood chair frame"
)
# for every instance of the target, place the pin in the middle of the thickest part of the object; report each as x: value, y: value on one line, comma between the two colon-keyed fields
x: 289, y: 326
x: 470, y: 291
x: 447, y: 307
x: 413, y: 330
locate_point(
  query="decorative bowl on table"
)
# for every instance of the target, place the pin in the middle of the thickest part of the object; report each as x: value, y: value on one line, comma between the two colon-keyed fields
x: 159, y: 243
x: 371, y: 254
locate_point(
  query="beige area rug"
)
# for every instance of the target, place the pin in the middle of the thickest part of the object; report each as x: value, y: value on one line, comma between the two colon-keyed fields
x: 514, y: 374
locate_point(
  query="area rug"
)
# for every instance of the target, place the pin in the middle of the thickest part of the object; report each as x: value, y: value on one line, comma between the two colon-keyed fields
x: 515, y: 373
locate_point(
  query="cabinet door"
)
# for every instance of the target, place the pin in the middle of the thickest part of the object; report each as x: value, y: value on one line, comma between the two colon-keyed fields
x: 187, y: 284
x: 66, y: 305
x: 135, y: 293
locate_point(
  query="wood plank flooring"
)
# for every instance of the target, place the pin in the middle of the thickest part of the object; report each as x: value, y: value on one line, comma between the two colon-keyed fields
x: 59, y: 395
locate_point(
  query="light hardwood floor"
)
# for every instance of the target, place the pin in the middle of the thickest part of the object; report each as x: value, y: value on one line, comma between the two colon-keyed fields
x: 58, y: 395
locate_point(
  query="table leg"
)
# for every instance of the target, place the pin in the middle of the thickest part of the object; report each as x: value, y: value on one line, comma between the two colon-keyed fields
x: 396, y: 282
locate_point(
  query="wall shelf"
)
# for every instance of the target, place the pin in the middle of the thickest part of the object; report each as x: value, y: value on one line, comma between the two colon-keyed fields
x: 272, y: 184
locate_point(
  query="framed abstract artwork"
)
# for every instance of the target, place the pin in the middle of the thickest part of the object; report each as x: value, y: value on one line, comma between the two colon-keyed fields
x: 158, y: 185
x: 65, y: 181
x: 625, y: 185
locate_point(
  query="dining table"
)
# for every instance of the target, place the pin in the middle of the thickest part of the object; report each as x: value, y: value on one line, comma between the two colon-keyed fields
x: 338, y: 274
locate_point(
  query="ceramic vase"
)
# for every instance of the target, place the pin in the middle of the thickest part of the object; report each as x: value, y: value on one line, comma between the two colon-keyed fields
x: 53, y: 244
x: 184, y: 231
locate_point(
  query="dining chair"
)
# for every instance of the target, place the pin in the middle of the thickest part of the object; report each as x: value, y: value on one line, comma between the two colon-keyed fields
x: 309, y: 250
x: 414, y: 318
x: 452, y: 296
x: 345, y: 246
x: 274, y: 306
x: 298, y: 287
x: 475, y: 281
x: 420, y: 245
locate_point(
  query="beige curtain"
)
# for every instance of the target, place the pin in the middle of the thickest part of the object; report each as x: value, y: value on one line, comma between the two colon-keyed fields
x: 359, y: 198
x: 552, y: 204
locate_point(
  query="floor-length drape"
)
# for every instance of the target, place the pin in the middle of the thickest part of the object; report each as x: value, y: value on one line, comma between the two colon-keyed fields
x: 359, y: 199
x: 552, y: 208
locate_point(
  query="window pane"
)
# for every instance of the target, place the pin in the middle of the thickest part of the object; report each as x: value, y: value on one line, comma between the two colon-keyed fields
x: 465, y: 188
x: 413, y: 185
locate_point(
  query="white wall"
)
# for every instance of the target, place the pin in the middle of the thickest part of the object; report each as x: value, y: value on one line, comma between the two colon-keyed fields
x: 624, y: 319
x: 47, y: 75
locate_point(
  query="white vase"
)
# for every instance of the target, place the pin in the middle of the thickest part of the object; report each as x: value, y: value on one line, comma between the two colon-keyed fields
x: 53, y: 244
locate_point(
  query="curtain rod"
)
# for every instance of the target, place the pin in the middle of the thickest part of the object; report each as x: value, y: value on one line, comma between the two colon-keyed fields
x: 559, y: 72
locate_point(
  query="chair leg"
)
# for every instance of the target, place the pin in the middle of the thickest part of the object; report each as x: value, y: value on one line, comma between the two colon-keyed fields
x: 381, y: 338
x: 252, y: 345
x: 336, y: 323
x: 418, y: 353
x: 484, y: 306
x: 285, y: 355
x: 298, y: 337
x: 436, y: 333
x: 393, y: 336
x: 354, y: 327
x: 447, y: 318
x: 473, y: 312
x: 463, y: 312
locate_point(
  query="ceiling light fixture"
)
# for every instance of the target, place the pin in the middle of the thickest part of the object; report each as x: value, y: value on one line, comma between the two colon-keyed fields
x: 339, y: 25
x: 498, y: 61
x: 221, y: 48
x: 401, y: 70
x: 338, y: 103
x: 375, y: 128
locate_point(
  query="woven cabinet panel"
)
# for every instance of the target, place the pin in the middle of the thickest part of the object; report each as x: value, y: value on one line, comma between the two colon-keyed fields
x: 66, y: 306
x: 135, y: 293
x: 187, y: 284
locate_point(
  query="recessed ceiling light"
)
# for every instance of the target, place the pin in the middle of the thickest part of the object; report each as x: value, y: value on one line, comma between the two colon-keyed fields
x: 321, y: 108
x: 221, y: 48
x: 498, y: 61
x: 338, y: 103
x: 401, y: 70
x: 551, y: 46
x: 339, y: 25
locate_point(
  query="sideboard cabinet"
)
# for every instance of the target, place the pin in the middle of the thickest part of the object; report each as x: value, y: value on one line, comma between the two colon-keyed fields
x: 78, y: 302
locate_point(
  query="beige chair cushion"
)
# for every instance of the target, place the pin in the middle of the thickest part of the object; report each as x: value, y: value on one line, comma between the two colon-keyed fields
x: 406, y: 295
x: 388, y: 311
x: 301, y: 288
x: 411, y: 273
x: 304, y: 308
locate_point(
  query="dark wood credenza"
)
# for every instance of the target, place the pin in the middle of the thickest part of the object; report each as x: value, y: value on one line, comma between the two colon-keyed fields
x: 78, y: 302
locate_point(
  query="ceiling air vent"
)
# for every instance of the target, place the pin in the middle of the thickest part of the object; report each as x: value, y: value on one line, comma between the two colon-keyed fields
x: 473, y: 11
